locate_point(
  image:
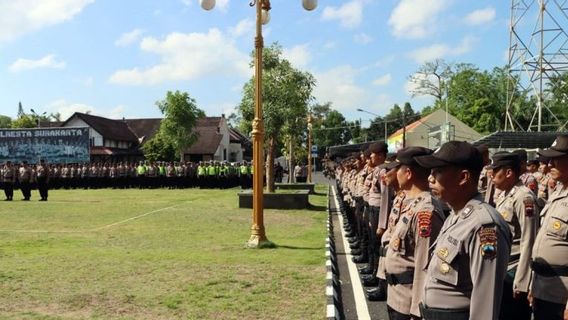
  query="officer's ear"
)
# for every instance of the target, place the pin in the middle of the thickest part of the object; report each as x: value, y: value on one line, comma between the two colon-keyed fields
x: 464, y: 177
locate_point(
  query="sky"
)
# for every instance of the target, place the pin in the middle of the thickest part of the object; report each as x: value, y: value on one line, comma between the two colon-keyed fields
x: 117, y: 58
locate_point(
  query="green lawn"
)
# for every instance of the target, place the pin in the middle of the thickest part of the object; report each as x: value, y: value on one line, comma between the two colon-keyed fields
x: 81, y: 256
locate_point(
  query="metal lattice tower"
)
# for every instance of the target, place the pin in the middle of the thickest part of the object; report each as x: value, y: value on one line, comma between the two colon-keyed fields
x: 537, y: 52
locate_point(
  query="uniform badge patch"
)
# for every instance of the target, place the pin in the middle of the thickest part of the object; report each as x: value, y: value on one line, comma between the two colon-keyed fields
x: 529, y: 206
x: 504, y: 214
x: 467, y: 211
x: 488, y: 240
x: 424, y: 223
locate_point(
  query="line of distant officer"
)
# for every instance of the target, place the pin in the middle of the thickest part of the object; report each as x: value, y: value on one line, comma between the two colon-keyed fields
x: 445, y: 253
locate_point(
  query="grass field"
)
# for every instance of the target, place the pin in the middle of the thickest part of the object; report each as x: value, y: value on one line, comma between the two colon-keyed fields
x: 82, y: 256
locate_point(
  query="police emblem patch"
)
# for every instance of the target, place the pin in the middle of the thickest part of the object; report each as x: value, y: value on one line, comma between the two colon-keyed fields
x: 488, y: 242
x: 529, y: 206
x: 424, y: 223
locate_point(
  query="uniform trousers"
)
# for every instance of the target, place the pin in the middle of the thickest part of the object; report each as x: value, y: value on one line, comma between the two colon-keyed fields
x: 545, y: 310
x: 42, y: 187
x: 395, y: 315
x: 513, y: 309
x: 9, y: 190
x: 26, y: 190
x: 373, y: 249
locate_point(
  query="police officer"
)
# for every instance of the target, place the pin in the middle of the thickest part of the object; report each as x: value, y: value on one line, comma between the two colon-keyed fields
x: 42, y: 180
x: 467, y: 268
x: 25, y: 179
x: 9, y: 178
x: 517, y: 205
x: 416, y: 229
x: 549, y: 291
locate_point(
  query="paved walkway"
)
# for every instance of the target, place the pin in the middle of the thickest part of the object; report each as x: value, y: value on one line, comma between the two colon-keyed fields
x: 354, y: 303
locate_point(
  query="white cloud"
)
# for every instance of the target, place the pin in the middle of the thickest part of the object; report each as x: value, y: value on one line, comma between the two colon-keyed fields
x: 350, y: 14
x: 244, y: 27
x: 24, y: 16
x: 299, y: 55
x: 67, y: 109
x: 338, y: 86
x: 129, y: 38
x: 383, y: 81
x: 479, y: 17
x: 416, y: 18
x: 330, y: 45
x: 363, y: 38
x: 48, y: 62
x: 385, y: 61
x: 437, y: 51
x: 187, y: 57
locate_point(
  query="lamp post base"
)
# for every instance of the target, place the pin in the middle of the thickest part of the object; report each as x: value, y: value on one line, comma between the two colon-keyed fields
x: 256, y: 242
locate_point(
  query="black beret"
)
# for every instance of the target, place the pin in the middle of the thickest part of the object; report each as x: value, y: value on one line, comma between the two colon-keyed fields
x: 408, y: 156
x: 505, y: 159
x: 378, y: 147
x: 522, y: 154
x: 459, y: 153
x: 558, y: 148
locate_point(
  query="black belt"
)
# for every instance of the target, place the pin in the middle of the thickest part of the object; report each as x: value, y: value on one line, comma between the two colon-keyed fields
x: 383, y: 251
x: 443, y: 314
x: 400, y: 278
x: 546, y: 270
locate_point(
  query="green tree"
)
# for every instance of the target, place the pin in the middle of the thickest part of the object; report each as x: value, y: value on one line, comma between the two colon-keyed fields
x: 286, y: 94
x: 5, y: 122
x: 159, y: 148
x: 430, y: 79
x: 25, y: 121
x: 332, y: 130
x: 180, y: 116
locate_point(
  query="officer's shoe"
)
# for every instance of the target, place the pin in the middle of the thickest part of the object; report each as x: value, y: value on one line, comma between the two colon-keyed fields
x: 354, y: 244
x: 356, y: 251
x: 366, y: 270
x: 370, y: 282
x: 367, y: 277
x: 360, y: 259
x: 377, y: 294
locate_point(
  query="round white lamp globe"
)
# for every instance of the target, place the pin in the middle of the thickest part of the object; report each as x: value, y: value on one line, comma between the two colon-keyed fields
x: 310, y: 4
x: 207, y: 4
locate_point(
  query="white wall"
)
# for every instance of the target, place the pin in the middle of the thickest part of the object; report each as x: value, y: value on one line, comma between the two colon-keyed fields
x: 93, y: 135
x: 225, y: 141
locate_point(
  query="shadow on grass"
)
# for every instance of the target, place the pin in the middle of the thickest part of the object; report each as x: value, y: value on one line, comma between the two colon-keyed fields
x: 317, y: 208
x: 298, y: 248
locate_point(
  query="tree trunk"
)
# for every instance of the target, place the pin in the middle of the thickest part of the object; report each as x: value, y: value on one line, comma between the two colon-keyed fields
x: 291, y: 162
x: 270, y: 166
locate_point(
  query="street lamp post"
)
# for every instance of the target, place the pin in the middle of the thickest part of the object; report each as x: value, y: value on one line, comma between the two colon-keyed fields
x: 258, y: 237
x: 38, y: 117
x: 376, y: 115
x: 310, y: 147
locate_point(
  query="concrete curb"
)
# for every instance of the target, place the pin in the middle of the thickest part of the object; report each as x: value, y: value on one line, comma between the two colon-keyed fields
x: 332, y: 290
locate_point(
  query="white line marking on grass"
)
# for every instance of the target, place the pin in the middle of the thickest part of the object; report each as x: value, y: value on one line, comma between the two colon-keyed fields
x: 133, y: 218
x: 93, y: 229
x: 360, y: 300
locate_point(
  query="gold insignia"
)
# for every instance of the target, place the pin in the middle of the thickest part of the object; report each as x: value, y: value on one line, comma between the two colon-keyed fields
x: 444, y: 268
x: 443, y: 253
x: 504, y: 214
x: 556, y: 225
x: 395, y: 243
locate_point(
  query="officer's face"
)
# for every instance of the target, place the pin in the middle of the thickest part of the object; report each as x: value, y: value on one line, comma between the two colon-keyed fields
x: 390, y: 178
x: 499, y: 177
x: 403, y: 176
x: 377, y: 159
x: 559, y: 168
x: 445, y: 182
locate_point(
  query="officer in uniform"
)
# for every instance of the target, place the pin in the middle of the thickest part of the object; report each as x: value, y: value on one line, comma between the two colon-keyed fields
x: 517, y: 205
x: 468, y: 266
x: 417, y: 228
x: 25, y: 179
x: 9, y: 178
x: 42, y: 180
x: 549, y: 291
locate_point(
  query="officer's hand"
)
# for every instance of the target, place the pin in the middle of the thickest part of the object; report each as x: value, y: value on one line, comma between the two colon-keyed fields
x: 565, y: 314
x: 517, y: 294
x: 380, y: 232
x: 530, y: 299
